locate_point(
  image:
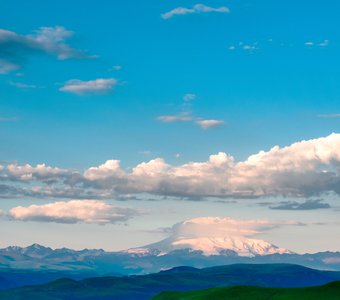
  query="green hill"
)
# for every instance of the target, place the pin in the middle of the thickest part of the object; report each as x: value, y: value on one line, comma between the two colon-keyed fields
x: 330, y: 291
x: 144, y: 287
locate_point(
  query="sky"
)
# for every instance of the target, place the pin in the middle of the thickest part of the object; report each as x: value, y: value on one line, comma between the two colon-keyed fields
x: 119, y: 119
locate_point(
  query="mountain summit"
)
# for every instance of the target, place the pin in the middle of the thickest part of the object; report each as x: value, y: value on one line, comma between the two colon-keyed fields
x: 214, y: 236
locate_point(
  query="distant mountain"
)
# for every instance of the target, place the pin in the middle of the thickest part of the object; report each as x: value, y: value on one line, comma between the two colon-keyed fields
x: 211, y: 236
x: 234, y: 245
x: 37, y: 264
x: 177, y: 279
x: 199, y: 242
x: 330, y: 291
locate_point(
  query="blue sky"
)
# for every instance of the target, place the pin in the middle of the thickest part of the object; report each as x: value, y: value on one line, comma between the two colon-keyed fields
x: 261, y: 74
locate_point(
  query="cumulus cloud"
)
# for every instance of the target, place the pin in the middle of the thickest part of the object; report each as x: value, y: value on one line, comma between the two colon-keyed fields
x: 97, y: 86
x: 196, y: 9
x: 74, y: 211
x: 111, y: 168
x: 206, y: 124
x: 309, y: 204
x: 15, y: 48
x: 303, y: 169
x: 28, y: 172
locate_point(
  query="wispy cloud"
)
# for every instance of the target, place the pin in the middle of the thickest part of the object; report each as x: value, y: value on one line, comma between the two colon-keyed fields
x: 21, y: 85
x: 311, y: 204
x: 97, y: 86
x: 4, y: 119
x: 329, y: 116
x: 196, y: 9
x: 74, y: 211
x: 254, y: 46
x: 189, y: 97
x: 186, y: 115
x: 174, y: 118
x: 206, y: 124
x: 248, y: 47
x: 115, y: 68
x: 323, y: 43
x: 16, y: 48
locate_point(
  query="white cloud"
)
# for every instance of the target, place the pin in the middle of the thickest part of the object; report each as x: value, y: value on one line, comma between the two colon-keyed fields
x: 97, y: 86
x: 186, y: 115
x: 223, y: 226
x: 197, y: 8
x: 174, y: 118
x: 206, y: 124
x: 145, y: 152
x: 4, y: 119
x: 303, y: 169
x: 74, y: 211
x: 117, y: 68
x: 15, y: 48
x: 152, y: 168
x: 111, y: 168
x: 22, y: 85
x: 28, y: 172
x: 189, y: 97
x: 7, y: 66
x: 330, y: 116
x: 247, y: 47
x: 324, y: 43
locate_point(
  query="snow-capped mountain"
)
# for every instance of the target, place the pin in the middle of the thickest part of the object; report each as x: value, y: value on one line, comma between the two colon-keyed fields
x: 199, y: 242
x: 213, y: 246
x: 212, y: 236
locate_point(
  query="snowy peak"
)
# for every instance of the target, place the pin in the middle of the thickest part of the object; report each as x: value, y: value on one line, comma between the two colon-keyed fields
x: 213, y: 246
x: 215, y: 236
x: 242, y: 246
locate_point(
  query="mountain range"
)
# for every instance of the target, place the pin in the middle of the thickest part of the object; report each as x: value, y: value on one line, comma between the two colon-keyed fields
x: 200, y: 243
x: 37, y: 264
